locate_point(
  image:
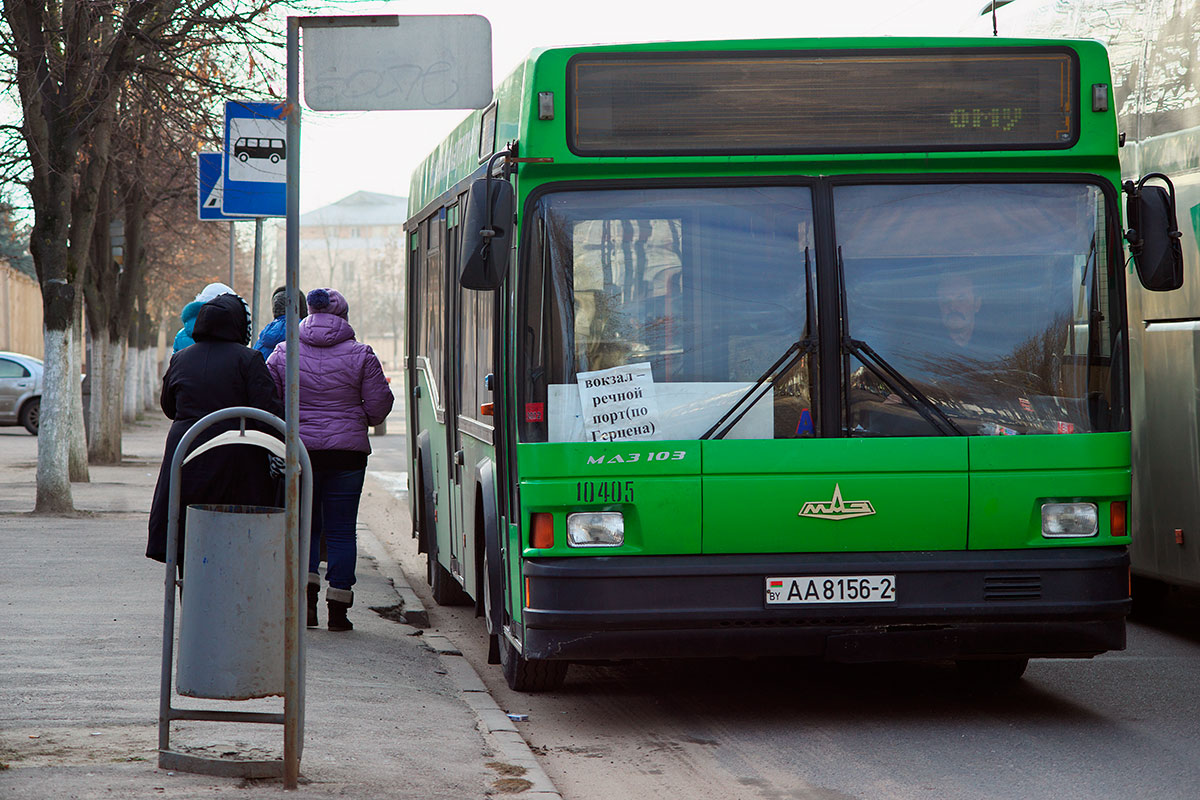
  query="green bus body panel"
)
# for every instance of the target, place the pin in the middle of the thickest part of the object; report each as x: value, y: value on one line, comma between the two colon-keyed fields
x: 775, y: 496
x: 664, y: 518
x: 1012, y: 476
x: 755, y: 492
x: 1050, y: 452
x: 627, y: 459
x: 836, y: 456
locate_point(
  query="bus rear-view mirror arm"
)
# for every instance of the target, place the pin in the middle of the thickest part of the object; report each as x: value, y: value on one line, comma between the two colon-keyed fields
x: 1153, y: 235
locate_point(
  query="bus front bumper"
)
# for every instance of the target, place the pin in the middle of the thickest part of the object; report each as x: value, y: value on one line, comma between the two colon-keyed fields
x: 1060, y: 602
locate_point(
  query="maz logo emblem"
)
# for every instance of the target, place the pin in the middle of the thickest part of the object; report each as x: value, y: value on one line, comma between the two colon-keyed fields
x: 837, y: 508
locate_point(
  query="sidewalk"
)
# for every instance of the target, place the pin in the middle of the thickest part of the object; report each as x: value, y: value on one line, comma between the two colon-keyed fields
x: 80, y: 655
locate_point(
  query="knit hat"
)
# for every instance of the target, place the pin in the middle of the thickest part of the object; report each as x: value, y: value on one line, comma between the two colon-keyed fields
x: 213, y: 290
x: 328, y: 301
x: 279, y: 302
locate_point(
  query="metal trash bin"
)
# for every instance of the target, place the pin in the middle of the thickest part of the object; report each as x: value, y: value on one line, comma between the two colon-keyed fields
x: 242, y: 618
x: 231, y: 625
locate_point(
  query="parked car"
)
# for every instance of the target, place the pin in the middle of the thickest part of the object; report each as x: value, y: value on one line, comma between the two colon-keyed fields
x: 20, y: 390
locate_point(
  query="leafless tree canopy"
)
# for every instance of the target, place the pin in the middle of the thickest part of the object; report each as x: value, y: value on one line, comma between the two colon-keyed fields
x: 116, y: 96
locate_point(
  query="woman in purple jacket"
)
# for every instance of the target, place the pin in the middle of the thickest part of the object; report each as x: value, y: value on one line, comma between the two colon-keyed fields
x: 342, y: 394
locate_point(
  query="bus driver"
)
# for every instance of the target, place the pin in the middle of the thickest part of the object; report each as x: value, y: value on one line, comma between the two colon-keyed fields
x: 959, y: 304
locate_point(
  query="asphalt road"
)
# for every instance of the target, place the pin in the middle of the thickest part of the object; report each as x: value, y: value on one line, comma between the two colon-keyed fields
x: 1121, y: 725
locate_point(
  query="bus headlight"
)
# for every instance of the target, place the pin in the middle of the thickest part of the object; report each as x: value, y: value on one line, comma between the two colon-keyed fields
x: 1065, y: 520
x: 596, y: 529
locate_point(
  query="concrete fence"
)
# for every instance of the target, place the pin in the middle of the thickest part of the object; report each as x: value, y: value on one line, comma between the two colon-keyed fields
x: 20, y: 312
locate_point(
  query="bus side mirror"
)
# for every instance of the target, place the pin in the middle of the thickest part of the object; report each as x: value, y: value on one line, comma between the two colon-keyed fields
x: 1153, y: 235
x: 487, y: 234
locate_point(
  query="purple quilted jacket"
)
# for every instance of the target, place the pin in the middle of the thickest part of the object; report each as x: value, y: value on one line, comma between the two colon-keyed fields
x: 342, y: 388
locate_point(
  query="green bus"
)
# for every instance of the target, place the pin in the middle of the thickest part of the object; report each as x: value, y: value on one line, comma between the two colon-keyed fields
x: 780, y: 347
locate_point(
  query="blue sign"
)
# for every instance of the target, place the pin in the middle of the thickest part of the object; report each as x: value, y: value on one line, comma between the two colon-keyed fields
x: 255, y: 173
x: 210, y: 187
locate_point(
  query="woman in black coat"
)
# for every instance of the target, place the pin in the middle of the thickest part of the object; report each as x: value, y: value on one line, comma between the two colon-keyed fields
x: 218, y: 371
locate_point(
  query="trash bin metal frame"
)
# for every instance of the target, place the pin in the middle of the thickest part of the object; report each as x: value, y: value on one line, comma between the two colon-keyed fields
x: 296, y: 566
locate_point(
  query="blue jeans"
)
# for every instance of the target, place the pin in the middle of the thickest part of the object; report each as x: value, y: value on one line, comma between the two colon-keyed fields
x: 335, y: 514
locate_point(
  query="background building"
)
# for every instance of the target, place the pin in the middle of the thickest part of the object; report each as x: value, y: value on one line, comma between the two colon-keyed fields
x: 356, y: 246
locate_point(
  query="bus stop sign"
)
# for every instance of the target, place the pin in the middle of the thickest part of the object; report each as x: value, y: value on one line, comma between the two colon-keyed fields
x: 210, y: 187
x: 255, y: 168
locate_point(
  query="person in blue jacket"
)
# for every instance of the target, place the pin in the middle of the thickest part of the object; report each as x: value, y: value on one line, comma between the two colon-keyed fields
x: 183, y: 337
x: 276, y: 330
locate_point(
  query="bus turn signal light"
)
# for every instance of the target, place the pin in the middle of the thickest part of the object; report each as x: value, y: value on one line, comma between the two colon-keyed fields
x: 541, y: 531
x: 485, y: 409
x: 1116, y: 518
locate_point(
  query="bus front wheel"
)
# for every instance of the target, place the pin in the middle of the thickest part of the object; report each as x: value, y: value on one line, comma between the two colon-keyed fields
x: 529, y: 674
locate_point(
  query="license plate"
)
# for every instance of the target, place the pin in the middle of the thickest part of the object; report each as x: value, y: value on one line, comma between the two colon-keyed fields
x: 831, y: 589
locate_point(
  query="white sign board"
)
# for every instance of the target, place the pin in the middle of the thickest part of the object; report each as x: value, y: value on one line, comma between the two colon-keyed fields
x: 427, y: 62
x: 619, y: 404
x: 686, y: 411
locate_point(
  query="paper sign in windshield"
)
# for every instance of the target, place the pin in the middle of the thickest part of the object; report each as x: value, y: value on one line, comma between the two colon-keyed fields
x: 619, y: 404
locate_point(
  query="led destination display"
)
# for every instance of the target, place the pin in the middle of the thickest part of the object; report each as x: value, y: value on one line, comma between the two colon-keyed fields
x: 719, y: 103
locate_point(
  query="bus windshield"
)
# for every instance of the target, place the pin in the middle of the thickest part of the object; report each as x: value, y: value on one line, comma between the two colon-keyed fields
x: 997, y: 301
x: 650, y: 313
x: 686, y: 294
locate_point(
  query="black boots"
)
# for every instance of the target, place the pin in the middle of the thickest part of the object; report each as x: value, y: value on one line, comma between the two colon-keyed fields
x: 339, y: 601
x: 314, y: 589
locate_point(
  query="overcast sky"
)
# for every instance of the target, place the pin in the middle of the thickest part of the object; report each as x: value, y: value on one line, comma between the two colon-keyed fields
x: 342, y: 153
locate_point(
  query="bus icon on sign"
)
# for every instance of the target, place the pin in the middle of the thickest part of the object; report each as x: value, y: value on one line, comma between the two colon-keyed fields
x: 248, y: 147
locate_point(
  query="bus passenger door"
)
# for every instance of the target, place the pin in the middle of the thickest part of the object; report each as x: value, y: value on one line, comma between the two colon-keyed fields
x: 454, y: 399
x: 437, y: 271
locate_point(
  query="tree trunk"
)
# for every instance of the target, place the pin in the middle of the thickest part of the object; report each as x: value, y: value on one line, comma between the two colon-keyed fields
x: 148, y: 399
x: 105, y: 444
x: 150, y: 365
x: 130, y: 375
x: 77, y: 466
x: 54, y: 441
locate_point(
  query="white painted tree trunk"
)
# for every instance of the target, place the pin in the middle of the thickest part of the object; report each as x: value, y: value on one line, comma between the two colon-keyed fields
x: 54, y: 434
x: 104, y: 441
x: 77, y: 463
x: 148, y: 375
x: 129, y: 374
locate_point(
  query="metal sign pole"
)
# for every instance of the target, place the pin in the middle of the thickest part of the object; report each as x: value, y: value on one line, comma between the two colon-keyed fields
x: 232, y: 252
x: 293, y: 703
x: 257, y: 290
x: 441, y: 32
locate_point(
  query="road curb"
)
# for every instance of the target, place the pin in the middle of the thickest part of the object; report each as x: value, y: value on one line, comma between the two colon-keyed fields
x: 412, y: 607
x: 497, y: 727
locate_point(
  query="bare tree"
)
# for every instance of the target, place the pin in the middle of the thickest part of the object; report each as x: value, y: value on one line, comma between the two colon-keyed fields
x: 72, y: 60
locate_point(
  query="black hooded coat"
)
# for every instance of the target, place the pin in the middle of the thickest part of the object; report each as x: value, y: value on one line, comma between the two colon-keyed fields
x: 218, y: 371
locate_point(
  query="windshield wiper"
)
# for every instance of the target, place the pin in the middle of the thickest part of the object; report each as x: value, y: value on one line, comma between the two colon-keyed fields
x: 879, y: 365
x: 797, y: 350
